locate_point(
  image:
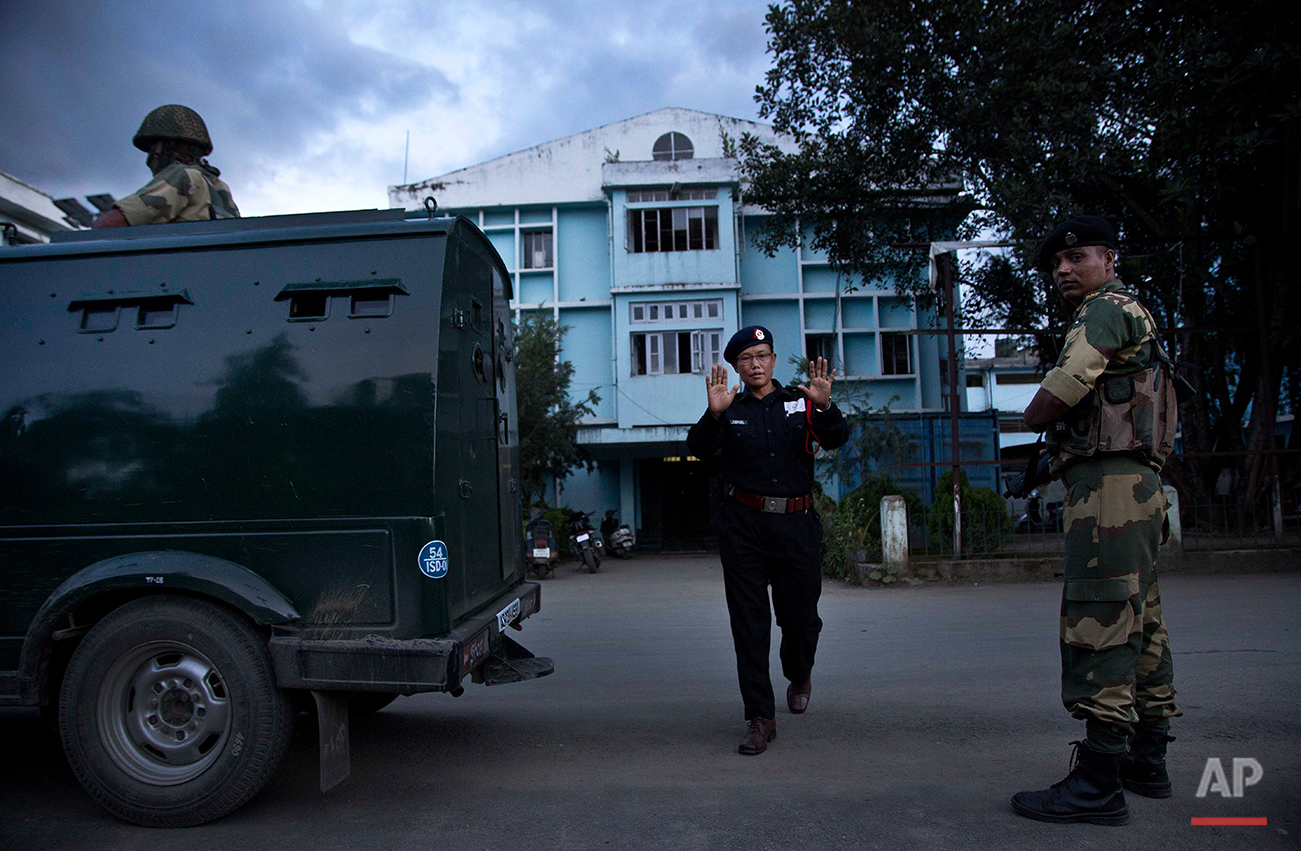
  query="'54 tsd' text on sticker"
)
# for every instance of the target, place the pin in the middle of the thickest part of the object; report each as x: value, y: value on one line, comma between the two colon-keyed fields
x: 433, y: 559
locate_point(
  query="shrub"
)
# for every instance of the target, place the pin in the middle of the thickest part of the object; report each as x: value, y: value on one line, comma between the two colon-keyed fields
x: 854, y: 524
x: 985, y: 521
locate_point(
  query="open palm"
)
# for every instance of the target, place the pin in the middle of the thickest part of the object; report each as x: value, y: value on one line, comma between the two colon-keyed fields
x: 818, y: 389
x: 720, y: 395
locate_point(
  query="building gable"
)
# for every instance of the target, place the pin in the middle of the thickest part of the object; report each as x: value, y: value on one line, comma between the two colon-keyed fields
x: 568, y: 170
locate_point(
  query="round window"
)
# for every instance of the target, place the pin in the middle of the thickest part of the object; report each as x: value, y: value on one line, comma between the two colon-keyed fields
x: 673, y: 146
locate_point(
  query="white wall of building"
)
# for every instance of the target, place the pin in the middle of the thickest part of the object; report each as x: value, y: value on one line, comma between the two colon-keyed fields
x: 30, y: 210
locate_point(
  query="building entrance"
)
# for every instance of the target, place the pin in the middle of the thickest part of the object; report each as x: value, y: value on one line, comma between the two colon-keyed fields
x: 677, y: 504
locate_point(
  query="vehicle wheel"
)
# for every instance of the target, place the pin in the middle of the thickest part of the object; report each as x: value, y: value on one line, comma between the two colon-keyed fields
x: 363, y: 703
x: 589, y: 559
x: 169, y: 712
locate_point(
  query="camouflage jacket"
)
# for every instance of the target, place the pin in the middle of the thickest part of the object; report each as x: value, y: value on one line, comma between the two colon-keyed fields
x: 1113, y: 374
x: 180, y: 193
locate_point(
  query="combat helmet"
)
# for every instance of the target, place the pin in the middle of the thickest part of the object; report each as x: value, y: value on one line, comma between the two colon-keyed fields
x: 173, y: 121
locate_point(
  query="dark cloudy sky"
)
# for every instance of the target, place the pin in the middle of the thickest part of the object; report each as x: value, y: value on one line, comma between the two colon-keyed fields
x: 308, y: 101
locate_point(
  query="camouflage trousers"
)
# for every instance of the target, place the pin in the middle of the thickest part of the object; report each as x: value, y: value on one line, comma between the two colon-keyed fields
x: 1116, y: 664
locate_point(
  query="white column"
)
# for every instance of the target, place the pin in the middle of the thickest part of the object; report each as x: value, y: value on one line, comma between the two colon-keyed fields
x: 894, y: 532
x: 1176, y: 541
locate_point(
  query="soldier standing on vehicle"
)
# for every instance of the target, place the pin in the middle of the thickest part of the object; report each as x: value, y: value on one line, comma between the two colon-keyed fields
x: 1110, y: 410
x: 185, y: 187
x: 769, y: 533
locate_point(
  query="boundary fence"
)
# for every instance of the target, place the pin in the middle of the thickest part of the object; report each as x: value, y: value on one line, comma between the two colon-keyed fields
x: 1224, y: 523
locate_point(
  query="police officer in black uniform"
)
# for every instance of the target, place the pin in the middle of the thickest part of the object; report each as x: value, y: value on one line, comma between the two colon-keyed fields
x: 769, y: 533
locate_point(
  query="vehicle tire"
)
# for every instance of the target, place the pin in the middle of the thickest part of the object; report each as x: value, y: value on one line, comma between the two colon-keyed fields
x: 169, y: 712
x: 364, y: 703
x: 589, y: 559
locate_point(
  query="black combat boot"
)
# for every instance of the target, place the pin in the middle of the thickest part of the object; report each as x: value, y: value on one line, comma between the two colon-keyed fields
x: 1143, y: 770
x: 1091, y: 792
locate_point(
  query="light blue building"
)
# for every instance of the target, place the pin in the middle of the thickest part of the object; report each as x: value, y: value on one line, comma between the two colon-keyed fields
x: 635, y: 236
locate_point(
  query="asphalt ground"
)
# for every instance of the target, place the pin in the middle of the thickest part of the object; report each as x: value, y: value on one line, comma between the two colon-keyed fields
x: 931, y: 706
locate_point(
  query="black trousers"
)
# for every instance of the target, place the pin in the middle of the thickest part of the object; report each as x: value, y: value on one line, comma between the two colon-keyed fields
x: 783, y: 551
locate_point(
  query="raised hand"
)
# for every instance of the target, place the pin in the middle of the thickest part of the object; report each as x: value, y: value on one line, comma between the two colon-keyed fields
x: 720, y: 397
x: 819, y: 388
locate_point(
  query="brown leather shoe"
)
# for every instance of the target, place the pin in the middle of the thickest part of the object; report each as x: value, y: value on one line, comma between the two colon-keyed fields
x: 797, y: 697
x: 761, y: 732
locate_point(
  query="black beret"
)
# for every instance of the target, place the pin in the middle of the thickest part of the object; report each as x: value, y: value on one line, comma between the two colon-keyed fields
x: 751, y: 335
x: 1079, y: 231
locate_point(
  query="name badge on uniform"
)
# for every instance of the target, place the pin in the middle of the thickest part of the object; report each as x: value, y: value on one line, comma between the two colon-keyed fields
x: 736, y: 422
x: 793, y: 408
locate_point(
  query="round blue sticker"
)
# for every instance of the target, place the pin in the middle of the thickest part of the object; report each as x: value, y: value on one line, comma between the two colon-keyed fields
x: 433, y: 560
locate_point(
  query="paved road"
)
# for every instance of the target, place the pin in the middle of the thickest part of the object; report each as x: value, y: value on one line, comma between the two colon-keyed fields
x: 931, y: 706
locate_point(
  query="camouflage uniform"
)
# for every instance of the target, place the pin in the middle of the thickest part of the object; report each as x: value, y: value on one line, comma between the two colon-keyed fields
x: 1116, y: 664
x: 180, y: 193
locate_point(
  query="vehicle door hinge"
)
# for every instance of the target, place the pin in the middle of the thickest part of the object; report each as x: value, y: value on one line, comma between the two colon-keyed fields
x: 458, y: 318
x: 466, y: 488
x: 513, y: 484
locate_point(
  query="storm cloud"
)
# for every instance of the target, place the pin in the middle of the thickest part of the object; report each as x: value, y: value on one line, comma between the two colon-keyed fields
x: 309, y: 103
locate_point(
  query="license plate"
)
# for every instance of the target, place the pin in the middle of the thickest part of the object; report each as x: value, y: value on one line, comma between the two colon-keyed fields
x: 474, y: 651
x: 508, y: 615
x: 530, y: 602
x: 542, y: 552
x: 581, y: 538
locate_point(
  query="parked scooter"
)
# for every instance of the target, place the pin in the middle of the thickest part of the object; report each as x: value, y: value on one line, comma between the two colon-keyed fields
x: 540, y: 551
x: 587, y: 543
x: 1037, y: 518
x: 619, y: 537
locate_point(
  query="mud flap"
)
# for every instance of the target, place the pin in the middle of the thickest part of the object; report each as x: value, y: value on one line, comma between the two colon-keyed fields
x: 511, y: 663
x: 332, y: 727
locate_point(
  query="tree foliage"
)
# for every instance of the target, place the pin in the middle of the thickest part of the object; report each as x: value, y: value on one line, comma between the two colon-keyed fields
x: 548, y: 417
x: 1176, y: 121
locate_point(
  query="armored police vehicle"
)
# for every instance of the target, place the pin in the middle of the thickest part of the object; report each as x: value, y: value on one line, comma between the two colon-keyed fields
x: 252, y: 467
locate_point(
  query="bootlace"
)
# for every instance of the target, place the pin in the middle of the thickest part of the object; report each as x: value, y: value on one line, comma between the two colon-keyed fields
x: 756, y: 725
x: 1075, y: 754
x: 1075, y: 758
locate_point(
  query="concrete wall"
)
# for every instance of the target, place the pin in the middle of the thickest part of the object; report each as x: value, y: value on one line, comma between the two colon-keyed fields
x: 569, y: 169
x: 29, y: 210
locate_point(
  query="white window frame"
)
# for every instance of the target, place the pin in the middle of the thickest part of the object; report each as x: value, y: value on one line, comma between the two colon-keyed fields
x: 529, y: 251
x: 705, y: 344
x: 908, y: 350
x: 827, y: 342
x: 662, y: 353
x: 674, y: 311
x: 680, y: 147
x: 660, y: 194
x: 684, y: 221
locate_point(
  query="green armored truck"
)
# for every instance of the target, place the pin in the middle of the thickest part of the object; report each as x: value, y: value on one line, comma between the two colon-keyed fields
x: 252, y: 467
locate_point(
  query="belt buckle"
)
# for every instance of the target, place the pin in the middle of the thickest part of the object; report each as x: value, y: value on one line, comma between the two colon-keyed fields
x: 774, y: 504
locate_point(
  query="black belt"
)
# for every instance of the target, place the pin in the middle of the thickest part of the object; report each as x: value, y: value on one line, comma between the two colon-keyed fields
x: 772, y: 504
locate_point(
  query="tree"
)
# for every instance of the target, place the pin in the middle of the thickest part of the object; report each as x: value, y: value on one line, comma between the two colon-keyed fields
x: 548, y: 418
x: 1178, y: 122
